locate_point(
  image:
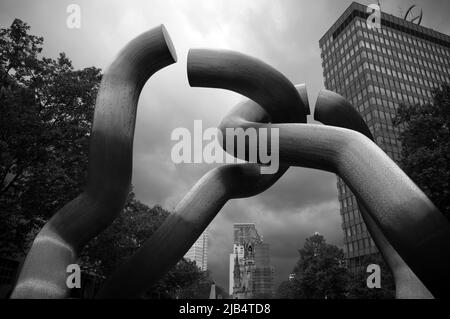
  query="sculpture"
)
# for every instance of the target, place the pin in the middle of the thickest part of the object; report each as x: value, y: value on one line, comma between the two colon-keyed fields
x: 412, y: 234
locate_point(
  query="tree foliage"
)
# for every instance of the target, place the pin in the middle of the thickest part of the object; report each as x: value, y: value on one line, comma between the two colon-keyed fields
x: 136, y: 223
x: 425, y: 157
x: 183, y: 281
x: 46, y: 109
x: 320, y: 272
x: 425, y: 142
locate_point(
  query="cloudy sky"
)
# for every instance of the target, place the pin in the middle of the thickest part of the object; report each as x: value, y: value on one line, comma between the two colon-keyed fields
x: 283, y: 33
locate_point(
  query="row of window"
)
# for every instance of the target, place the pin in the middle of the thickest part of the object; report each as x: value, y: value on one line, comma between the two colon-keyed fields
x: 342, y: 188
x: 431, y: 54
x: 386, y: 66
x: 347, y: 202
x: 351, y: 215
x: 353, y: 44
x: 405, y: 91
x: 400, y: 91
x: 355, y: 230
x: 386, y: 36
x: 360, y: 245
x: 395, y: 64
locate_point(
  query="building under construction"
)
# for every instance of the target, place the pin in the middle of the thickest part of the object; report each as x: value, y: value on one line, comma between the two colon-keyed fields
x: 251, y: 275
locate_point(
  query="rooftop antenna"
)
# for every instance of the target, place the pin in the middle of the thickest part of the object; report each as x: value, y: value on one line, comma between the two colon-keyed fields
x: 414, y: 15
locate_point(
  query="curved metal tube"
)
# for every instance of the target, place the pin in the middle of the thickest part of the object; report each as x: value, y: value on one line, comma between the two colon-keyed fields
x: 333, y: 109
x: 109, y: 174
x: 180, y: 230
x: 407, y: 285
x: 254, y: 79
x: 248, y: 76
x: 409, y: 220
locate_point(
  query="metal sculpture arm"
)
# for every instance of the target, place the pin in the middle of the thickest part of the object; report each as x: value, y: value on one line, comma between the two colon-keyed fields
x: 109, y: 174
x: 234, y: 71
x: 332, y: 109
x: 408, y: 219
x: 254, y: 79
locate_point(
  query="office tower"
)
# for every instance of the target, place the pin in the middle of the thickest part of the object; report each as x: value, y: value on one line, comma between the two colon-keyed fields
x: 198, y: 253
x: 377, y: 69
x: 251, y: 275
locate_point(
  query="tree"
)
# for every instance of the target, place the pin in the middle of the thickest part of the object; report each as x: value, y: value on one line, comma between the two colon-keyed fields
x: 46, y: 110
x: 183, y: 281
x: 129, y: 231
x: 135, y: 224
x: 320, y: 272
x: 425, y: 139
x: 288, y: 290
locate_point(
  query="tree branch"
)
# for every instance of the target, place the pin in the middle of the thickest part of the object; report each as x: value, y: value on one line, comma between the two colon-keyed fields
x: 15, y: 178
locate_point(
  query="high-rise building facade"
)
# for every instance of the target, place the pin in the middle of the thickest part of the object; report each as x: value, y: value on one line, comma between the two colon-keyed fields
x: 198, y: 253
x: 251, y: 275
x: 377, y: 69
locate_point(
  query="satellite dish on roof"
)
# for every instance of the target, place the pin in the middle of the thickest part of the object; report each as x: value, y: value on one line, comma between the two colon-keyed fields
x: 414, y: 14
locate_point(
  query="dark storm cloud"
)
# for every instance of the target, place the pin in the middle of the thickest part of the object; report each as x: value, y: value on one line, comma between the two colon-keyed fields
x: 283, y: 33
x: 300, y: 188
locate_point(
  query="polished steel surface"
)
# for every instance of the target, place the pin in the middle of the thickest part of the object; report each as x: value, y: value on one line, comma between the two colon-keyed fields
x: 109, y: 174
x: 334, y: 110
